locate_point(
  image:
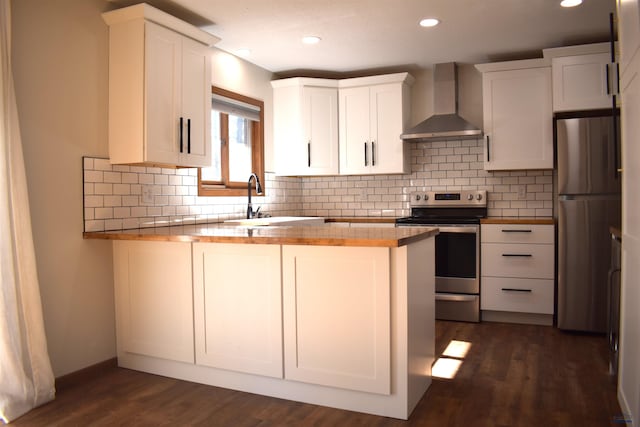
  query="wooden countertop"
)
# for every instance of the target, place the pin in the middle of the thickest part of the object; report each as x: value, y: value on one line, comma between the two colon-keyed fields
x: 289, y: 235
x: 518, y: 220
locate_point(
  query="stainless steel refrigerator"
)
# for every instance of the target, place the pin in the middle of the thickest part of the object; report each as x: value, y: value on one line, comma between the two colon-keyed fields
x: 588, y: 204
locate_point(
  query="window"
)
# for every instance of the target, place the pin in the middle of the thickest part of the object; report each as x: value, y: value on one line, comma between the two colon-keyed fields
x: 237, y: 136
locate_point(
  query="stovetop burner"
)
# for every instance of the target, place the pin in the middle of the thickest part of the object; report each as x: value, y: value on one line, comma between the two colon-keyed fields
x: 459, y: 207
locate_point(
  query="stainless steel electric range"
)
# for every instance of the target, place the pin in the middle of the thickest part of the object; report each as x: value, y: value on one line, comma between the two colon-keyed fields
x: 457, y: 214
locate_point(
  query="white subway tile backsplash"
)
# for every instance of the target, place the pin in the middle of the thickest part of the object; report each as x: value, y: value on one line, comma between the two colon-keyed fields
x: 112, y: 197
x: 112, y: 194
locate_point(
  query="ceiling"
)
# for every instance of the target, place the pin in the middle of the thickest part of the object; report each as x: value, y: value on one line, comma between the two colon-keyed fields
x: 384, y: 34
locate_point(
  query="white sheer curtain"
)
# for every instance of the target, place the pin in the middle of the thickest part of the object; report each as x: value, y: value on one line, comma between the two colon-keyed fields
x: 26, y: 379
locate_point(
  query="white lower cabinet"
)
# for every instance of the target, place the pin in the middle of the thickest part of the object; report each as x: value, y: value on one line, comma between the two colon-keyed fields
x: 341, y: 326
x: 337, y: 316
x: 154, y: 304
x: 518, y: 269
x: 238, y: 307
x: 517, y: 295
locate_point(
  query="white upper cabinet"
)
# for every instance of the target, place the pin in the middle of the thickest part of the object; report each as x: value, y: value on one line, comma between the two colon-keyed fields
x: 159, y: 89
x: 347, y: 127
x: 306, y: 126
x: 628, y: 31
x: 582, y: 77
x: 518, y: 117
x: 374, y: 112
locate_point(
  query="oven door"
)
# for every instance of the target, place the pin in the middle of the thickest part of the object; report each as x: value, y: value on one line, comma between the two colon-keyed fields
x: 457, y: 260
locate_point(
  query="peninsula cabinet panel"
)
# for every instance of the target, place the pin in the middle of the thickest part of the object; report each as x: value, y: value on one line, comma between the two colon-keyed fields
x: 238, y: 308
x: 154, y: 304
x: 337, y: 317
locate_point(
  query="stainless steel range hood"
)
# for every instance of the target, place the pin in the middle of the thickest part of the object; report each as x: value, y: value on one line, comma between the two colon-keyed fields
x: 445, y: 123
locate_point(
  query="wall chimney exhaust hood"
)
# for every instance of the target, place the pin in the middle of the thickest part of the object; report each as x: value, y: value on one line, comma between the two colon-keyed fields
x: 445, y: 123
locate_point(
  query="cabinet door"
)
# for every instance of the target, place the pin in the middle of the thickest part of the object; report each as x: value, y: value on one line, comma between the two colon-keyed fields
x: 163, y: 69
x: 337, y: 316
x: 320, y: 124
x: 196, y: 104
x: 354, y: 124
x: 580, y: 82
x: 518, y: 120
x: 386, y: 147
x: 238, y: 309
x: 289, y: 142
x: 154, y: 304
x: 628, y: 30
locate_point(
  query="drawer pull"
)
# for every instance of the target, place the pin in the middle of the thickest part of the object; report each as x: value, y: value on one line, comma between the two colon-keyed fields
x: 515, y: 290
x: 518, y: 255
x: 516, y: 231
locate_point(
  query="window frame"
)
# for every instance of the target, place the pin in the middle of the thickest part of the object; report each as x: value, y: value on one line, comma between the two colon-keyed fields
x: 211, y: 188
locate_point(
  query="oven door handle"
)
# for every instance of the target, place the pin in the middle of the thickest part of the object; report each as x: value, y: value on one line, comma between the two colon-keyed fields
x: 455, y: 297
x: 457, y: 229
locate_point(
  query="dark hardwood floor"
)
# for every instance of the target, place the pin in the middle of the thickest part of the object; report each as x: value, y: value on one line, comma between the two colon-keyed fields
x: 513, y: 375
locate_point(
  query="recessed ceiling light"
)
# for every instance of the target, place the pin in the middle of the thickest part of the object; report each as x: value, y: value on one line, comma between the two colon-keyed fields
x: 570, y: 3
x: 429, y: 22
x: 311, y: 40
x: 243, y: 53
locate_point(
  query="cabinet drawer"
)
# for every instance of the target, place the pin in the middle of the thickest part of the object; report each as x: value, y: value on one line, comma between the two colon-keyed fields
x: 517, y: 295
x: 517, y: 260
x: 517, y: 233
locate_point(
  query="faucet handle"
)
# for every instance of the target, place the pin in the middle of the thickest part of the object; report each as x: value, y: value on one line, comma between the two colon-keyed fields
x: 255, y: 213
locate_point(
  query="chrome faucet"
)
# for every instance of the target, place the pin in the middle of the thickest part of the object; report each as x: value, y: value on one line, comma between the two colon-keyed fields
x: 250, y: 212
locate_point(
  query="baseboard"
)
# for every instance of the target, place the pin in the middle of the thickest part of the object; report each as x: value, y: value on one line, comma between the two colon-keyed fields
x: 83, y: 375
x: 626, y: 411
x: 513, y: 317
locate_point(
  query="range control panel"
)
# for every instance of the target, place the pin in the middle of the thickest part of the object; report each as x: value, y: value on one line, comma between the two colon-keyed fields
x: 462, y: 198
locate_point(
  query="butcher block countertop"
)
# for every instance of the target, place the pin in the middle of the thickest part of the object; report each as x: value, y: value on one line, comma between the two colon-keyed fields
x: 286, y: 235
x: 518, y: 220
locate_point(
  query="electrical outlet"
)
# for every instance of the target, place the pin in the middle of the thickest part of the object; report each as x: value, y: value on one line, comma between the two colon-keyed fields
x: 147, y: 195
x: 522, y: 192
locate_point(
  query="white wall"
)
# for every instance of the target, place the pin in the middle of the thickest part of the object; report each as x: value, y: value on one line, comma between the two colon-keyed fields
x: 629, y: 373
x: 60, y: 70
x: 60, y: 65
x: 234, y: 74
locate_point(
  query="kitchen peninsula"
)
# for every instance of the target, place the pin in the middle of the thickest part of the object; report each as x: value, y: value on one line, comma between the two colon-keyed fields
x: 340, y: 317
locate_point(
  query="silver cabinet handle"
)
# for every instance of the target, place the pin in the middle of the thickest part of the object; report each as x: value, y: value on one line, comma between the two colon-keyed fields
x: 488, y: 157
x: 518, y: 255
x: 515, y: 290
x: 309, y: 153
x: 366, y: 160
x: 507, y: 230
x: 373, y: 153
x: 181, y: 134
